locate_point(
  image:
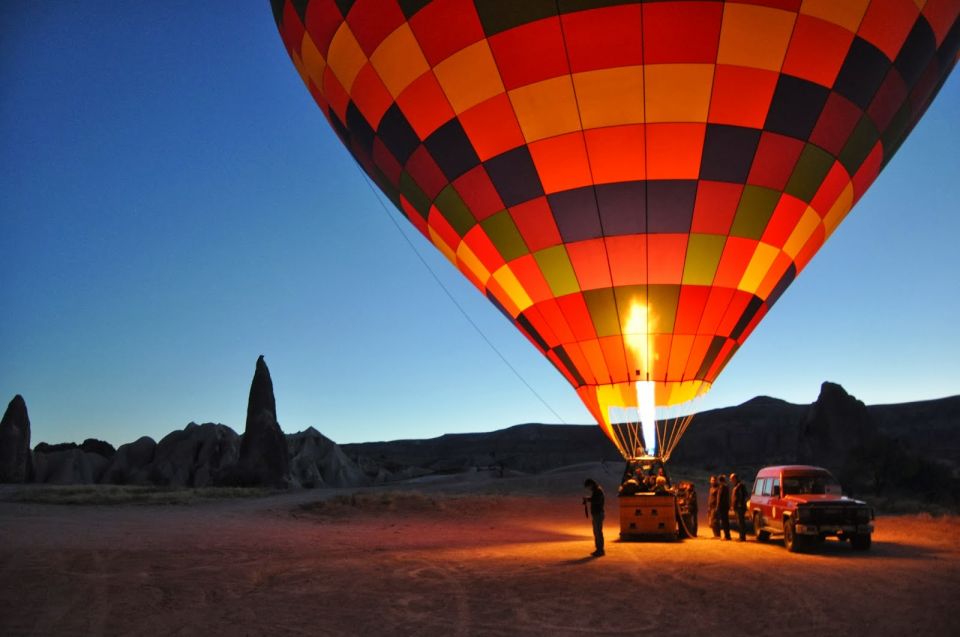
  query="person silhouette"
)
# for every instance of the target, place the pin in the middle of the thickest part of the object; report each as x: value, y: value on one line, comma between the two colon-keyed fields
x: 723, y: 506
x: 740, y: 505
x: 596, y: 500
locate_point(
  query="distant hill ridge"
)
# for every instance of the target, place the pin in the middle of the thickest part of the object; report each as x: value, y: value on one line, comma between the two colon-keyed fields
x: 913, y: 447
x: 760, y: 430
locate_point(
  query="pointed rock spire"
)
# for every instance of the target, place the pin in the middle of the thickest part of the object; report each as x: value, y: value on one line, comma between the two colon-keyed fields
x: 15, y: 442
x: 264, y: 458
x: 261, y: 393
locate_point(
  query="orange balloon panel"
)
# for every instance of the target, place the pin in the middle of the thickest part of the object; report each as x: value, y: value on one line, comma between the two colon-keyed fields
x: 633, y: 184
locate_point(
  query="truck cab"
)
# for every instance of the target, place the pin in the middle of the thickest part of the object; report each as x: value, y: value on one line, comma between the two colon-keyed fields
x: 805, y: 504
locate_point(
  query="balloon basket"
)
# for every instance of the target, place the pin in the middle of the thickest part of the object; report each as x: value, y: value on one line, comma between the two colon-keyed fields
x: 648, y: 516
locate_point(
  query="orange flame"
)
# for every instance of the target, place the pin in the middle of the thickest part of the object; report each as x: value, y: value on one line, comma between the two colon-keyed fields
x: 636, y: 334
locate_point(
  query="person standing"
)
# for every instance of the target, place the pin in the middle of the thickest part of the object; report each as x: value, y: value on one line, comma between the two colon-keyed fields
x: 723, y: 507
x: 693, y: 506
x: 596, y: 500
x: 712, y: 507
x: 740, y: 505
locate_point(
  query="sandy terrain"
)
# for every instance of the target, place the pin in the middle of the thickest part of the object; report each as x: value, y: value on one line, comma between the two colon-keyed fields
x: 485, y: 556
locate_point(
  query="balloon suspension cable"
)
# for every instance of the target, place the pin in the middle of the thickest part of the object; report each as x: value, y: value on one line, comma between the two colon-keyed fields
x: 450, y: 296
x: 629, y: 441
x: 620, y: 438
x: 672, y: 433
x: 621, y: 441
x: 628, y: 436
x: 635, y: 441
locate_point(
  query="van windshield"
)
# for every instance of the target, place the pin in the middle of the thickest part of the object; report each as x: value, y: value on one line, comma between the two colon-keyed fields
x: 813, y: 485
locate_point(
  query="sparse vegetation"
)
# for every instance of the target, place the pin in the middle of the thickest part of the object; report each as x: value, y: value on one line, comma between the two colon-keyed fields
x: 116, y: 494
x: 395, y: 501
x: 385, y: 501
x: 904, y: 505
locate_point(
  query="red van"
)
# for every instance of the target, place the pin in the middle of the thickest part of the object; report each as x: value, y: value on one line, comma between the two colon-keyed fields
x: 805, y: 505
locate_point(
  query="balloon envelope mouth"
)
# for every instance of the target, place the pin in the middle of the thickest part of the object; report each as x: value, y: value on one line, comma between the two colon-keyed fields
x: 647, y: 415
x: 640, y: 426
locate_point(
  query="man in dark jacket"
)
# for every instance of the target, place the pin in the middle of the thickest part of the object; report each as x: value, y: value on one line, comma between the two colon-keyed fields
x: 740, y: 505
x: 723, y: 507
x: 712, y: 506
x: 596, y: 500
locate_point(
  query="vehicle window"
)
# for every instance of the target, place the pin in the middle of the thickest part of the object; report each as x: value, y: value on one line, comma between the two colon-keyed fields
x: 810, y: 485
x: 767, y: 486
x: 776, y: 486
x: 758, y: 486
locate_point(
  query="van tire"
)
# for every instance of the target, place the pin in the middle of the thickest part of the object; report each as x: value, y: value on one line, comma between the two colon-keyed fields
x: 762, y: 536
x: 791, y: 541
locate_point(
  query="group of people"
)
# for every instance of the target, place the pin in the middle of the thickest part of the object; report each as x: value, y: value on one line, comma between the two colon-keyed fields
x: 638, y: 480
x: 641, y: 482
x: 719, y: 500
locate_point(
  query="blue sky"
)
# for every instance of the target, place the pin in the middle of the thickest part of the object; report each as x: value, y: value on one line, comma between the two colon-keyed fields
x: 174, y: 205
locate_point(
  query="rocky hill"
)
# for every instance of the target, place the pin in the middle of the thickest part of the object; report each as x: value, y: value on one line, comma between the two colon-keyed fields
x: 911, y: 448
x: 884, y: 449
x: 530, y: 448
x: 196, y: 456
x: 760, y: 431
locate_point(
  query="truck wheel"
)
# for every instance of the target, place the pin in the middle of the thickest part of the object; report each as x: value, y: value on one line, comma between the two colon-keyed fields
x: 790, y: 539
x: 861, y: 541
x: 762, y: 536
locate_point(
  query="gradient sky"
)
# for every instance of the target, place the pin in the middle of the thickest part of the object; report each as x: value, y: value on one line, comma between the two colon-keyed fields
x: 173, y: 204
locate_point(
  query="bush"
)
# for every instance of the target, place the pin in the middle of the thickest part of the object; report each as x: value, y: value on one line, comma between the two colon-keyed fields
x: 118, y: 494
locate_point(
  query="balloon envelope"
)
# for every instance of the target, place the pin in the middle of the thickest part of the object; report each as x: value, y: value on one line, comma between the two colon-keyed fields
x: 633, y: 184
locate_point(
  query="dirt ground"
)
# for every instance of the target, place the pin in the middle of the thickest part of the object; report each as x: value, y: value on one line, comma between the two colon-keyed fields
x: 480, y: 556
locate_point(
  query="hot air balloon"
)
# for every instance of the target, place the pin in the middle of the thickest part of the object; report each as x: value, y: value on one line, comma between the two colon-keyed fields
x: 633, y: 184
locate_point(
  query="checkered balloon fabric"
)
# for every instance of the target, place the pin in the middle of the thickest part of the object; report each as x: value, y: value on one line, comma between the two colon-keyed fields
x: 634, y: 184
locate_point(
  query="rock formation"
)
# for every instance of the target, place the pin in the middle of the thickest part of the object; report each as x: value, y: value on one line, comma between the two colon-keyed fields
x: 841, y: 433
x: 930, y: 428
x: 761, y: 431
x: 264, y: 459
x: 15, y: 465
x: 90, y: 445
x: 317, y: 461
x: 69, y: 466
x: 131, y: 462
x: 104, y: 448
x: 834, y: 424
x: 196, y: 456
x: 911, y: 449
x: 529, y: 448
x: 835, y: 432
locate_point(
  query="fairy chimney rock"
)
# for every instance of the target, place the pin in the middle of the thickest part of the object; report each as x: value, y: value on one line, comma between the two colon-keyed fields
x: 15, y: 442
x: 264, y: 458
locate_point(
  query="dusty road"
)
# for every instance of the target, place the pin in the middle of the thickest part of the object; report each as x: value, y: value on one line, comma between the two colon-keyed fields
x: 444, y: 562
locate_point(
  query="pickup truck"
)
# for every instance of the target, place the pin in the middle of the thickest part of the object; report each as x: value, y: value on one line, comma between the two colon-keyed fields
x: 805, y: 505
